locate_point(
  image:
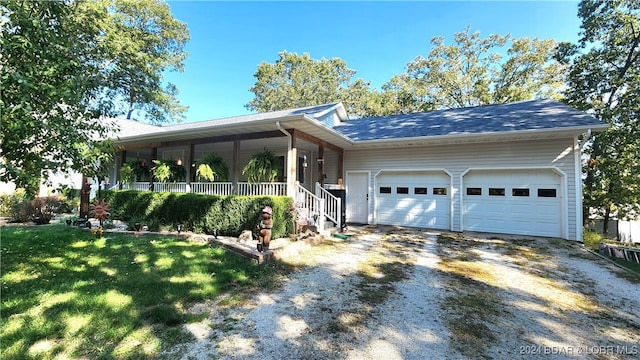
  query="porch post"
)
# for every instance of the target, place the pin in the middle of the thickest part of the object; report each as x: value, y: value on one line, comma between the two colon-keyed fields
x: 292, y: 167
x: 191, y: 170
x: 154, y: 156
x: 235, y: 168
x: 321, y: 164
x: 123, y: 161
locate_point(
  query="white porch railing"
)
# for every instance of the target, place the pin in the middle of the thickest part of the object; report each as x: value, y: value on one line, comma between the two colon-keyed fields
x: 332, y: 205
x: 209, y: 188
x: 309, y: 207
x: 216, y: 188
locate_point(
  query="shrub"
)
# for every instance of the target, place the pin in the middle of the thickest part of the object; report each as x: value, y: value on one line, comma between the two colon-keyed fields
x: 592, y: 239
x: 39, y: 210
x: 224, y: 215
x: 9, y: 201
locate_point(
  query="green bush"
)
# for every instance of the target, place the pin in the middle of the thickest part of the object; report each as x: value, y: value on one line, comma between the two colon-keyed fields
x: 9, y: 201
x: 39, y: 210
x: 224, y: 215
x: 592, y: 239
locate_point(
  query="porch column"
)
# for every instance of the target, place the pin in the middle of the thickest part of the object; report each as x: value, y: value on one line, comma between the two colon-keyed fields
x: 154, y: 156
x: 321, y: 164
x: 292, y: 167
x: 123, y: 160
x: 235, y: 168
x: 341, y: 164
x: 191, y: 170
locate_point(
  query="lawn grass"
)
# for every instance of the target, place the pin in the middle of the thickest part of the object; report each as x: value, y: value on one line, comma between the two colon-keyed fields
x: 66, y: 294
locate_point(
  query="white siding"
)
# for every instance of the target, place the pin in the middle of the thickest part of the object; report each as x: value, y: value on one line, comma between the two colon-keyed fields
x: 456, y: 159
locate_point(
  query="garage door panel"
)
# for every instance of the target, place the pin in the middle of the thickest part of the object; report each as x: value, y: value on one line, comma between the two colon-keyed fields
x: 526, y: 215
x: 415, y: 208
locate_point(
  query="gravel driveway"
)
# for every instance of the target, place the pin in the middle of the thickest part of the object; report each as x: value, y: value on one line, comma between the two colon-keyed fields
x: 400, y: 293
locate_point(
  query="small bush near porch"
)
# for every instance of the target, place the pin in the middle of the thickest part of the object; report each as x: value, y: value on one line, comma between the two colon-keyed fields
x: 209, y: 214
x: 68, y: 295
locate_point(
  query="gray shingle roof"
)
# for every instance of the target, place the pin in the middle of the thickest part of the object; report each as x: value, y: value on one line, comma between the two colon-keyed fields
x: 499, y: 118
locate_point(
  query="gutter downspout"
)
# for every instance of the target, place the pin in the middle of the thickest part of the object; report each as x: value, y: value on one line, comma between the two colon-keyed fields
x: 578, y: 185
x: 586, y: 138
x: 291, y: 157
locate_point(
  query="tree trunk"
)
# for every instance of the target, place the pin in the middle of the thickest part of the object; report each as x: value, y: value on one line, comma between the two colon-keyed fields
x: 605, y: 221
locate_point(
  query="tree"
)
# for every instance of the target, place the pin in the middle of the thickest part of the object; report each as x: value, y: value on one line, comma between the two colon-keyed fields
x: 604, y: 79
x: 142, y: 40
x: 43, y: 71
x: 472, y: 72
x: 295, y: 81
x: 60, y: 65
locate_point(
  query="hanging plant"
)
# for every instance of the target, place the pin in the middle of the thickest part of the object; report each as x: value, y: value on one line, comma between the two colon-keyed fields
x: 262, y: 167
x: 126, y: 174
x: 168, y: 171
x: 139, y: 168
x: 212, y: 167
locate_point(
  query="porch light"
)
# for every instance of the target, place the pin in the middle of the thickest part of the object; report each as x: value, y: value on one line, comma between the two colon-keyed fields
x: 304, y: 161
x: 179, y: 162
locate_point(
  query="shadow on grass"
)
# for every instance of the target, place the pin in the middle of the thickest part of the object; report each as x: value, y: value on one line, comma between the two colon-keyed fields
x: 66, y: 294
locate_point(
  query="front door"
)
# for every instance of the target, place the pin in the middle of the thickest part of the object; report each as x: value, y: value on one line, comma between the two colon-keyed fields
x: 357, y: 197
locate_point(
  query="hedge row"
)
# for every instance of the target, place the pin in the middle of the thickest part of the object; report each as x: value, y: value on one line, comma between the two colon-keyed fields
x: 226, y: 215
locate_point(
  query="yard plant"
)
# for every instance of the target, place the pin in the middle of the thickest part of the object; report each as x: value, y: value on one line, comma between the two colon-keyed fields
x: 66, y: 294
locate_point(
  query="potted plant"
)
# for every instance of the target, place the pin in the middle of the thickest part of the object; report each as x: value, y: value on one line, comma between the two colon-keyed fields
x: 211, y: 167
x: 262, y: 167
x: 168, y: 171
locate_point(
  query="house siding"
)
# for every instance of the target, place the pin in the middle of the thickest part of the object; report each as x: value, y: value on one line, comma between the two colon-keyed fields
x: 460, y: 158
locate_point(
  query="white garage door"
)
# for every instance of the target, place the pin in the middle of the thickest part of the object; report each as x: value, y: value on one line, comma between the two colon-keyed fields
x: 414, y: 199
x: 513, y: 202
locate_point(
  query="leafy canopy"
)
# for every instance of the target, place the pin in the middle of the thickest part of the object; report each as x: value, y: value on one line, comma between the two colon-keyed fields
x: 604, y: 79
x: 473, y: 71
x: 64, y: 65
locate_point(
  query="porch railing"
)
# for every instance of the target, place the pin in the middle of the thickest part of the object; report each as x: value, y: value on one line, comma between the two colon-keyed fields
x: 332, y: 205
x: 309, y: 207
x: 217, y: 188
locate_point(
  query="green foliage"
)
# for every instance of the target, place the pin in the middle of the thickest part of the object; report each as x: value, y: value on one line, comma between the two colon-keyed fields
x: 592, y: 239
x: 262, y: 167
x: 226, y: 215
x: 604, y: 79
x: 65, y: 65
x: 472, y: 72
x: 101, y: 298
x: 212, y: 167
x: 9, y: 201
x: 295, y: 81
x: 168, y: 171
x: 47, y: 77
x: 39, y: 210
x: 126, y: 174
x: 140, y: 170
x: 141, y: 41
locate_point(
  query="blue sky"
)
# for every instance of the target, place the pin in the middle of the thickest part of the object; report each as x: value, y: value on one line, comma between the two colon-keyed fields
x: 377, y: 39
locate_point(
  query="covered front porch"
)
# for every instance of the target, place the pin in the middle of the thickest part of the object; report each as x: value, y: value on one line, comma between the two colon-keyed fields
x: 310, y: 159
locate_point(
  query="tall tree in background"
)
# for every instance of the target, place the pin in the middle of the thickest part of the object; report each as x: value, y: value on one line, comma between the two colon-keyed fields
x: 60, y: 65
x: 472, y: 72
x: 295, y: 81
x: 142, y: 40
x: 604, y: 79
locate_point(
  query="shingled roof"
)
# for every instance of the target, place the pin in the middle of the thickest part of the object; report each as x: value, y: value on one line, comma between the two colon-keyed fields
x: 489, y: 119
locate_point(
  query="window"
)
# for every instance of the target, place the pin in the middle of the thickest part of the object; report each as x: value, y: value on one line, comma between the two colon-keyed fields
x: 420, y: 191
x: 496, y: 191
x: 546, y: 192
x: 474, y: 191
x: 385, y: 190
x: 402, y: 190
x: 439, y: 191
x: 520, y: 192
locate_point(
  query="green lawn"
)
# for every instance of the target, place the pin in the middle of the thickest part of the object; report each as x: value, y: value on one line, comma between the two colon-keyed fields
x: 66, y: 294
